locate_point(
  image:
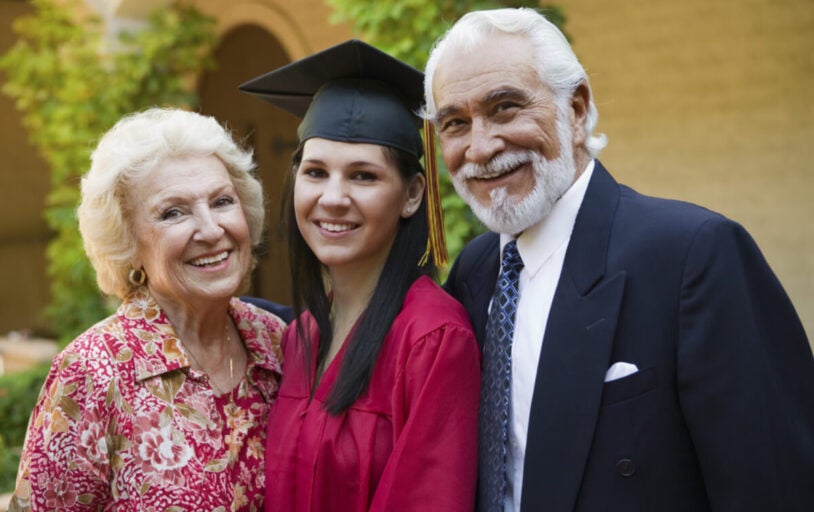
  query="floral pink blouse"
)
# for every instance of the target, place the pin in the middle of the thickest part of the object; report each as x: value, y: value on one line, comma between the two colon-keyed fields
x: 123, y: 423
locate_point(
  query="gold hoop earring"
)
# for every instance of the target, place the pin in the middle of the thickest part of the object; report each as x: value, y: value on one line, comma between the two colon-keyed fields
x: 137, y: 277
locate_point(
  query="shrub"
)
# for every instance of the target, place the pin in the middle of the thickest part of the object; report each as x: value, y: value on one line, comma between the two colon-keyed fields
x: 18, y: 394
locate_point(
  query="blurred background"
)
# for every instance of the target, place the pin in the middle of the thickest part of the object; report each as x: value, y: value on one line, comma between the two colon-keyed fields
x: 705, y: 101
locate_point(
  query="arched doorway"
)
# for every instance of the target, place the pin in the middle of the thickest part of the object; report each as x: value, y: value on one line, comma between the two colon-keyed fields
x: 245, y: 52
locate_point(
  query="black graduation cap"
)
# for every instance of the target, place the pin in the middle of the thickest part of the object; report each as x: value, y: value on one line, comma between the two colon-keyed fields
x: 351, y: 92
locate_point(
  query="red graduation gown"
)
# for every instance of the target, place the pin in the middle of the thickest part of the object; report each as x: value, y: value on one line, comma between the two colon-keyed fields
x: 409, y: 443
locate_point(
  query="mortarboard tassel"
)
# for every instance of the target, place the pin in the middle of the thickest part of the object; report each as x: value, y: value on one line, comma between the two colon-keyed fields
x: 436, y: 244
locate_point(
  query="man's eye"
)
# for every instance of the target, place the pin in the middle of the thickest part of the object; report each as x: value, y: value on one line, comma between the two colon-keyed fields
x: 452, y: 125
x: 505, y: 106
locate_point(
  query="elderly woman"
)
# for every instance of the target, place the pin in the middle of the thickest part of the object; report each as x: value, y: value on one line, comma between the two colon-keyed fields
x: 162, y: 405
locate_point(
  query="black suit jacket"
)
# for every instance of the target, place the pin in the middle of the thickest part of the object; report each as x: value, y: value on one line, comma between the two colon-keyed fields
x: 285, y: 313
x: 720, y: 415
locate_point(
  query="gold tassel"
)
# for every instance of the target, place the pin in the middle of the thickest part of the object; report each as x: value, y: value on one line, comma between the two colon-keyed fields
x: 436, y: 244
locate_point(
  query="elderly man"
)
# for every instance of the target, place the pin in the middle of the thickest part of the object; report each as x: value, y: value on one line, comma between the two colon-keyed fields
x: 639, y: 353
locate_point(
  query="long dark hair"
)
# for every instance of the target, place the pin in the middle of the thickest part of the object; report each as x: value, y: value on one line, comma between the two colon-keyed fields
x: 309, y: 288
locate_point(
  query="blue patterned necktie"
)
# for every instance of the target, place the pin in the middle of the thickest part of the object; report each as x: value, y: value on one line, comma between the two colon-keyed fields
x: 494, y: 397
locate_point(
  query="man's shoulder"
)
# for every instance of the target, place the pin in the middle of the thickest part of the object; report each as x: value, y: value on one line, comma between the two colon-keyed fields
x: 643, y: 208
x: 482, y: 246
x: 663, y: 213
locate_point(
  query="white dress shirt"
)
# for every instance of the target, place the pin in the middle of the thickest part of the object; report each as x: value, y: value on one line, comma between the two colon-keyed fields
x: 542, y: 248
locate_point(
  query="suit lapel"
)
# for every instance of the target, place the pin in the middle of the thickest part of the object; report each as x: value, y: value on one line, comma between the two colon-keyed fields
x: 481, y: 280
x: 574, y: 357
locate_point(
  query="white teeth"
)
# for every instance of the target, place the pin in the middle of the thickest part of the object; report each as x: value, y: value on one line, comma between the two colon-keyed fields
x: 498, y: 171
x: 202, y: 262
x: 494, y: 174
x: 336, y: 228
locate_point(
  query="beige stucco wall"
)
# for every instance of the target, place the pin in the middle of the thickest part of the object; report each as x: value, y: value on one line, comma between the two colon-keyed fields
x: 302, y: 27
x: 23, y: 233
x: 709, y: 101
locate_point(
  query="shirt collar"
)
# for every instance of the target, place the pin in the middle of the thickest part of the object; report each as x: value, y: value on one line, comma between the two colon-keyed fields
x: 537, y: 243
x: 156, y: 349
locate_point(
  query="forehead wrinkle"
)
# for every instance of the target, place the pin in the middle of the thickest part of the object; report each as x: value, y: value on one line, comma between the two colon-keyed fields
x: 178, y: 194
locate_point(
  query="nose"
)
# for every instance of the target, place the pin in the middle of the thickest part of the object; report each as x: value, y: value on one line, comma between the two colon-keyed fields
x: 334, y: 194
x: 208, y: 228
x: 484, y: 143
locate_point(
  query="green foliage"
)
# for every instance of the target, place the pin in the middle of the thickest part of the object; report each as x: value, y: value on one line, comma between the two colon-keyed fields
x: 9, y: 460
x: 407, y: 29
x: 18, y: 394
x: 72, y: 83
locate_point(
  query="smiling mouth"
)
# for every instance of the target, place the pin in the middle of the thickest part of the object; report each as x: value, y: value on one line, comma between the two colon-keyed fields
x: 336, y: 228
x: 210, y: 260
x: 498, y: 173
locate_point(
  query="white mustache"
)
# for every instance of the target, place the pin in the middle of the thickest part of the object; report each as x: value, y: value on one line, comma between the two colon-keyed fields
x: 499, y: 164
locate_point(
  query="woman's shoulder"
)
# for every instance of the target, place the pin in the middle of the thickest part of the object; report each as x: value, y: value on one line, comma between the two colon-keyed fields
x: 428, y: 308
x: 248, y: 311
x: 260, y: 329
x: 426, y: 297
x: 92, y: 355
x: 97, y: 344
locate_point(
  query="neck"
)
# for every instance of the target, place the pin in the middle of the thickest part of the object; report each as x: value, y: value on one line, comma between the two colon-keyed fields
x: 211, y: 339
x: 351, y: 293
x: 204, y: 328
x: 581, y: 159
x: 352, y: 289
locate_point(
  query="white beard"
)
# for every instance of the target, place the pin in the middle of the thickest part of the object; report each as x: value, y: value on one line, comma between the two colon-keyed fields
x: 552, y: 179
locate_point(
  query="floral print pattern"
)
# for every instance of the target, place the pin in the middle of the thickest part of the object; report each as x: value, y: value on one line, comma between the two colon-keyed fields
x: 124, y: 423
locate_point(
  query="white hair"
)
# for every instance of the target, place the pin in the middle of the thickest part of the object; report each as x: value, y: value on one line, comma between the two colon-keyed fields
x: 136, y: 144
x: 557, y: 65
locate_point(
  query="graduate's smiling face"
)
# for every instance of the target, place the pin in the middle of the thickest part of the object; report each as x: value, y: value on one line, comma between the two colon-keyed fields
x: 348, y: 201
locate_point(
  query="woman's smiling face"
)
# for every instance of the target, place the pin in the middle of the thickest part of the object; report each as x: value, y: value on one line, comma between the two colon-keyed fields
x: 192, y: 238
x: 348, y: 201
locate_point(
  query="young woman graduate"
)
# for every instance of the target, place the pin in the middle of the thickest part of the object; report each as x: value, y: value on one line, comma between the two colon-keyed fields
x: 378, y: 405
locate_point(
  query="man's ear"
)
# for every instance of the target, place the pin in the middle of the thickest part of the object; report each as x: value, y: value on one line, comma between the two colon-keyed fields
x: 579, y: 112
x: 415, y: 194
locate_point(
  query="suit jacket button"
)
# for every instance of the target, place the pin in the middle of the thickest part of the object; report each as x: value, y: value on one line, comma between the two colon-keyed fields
x: 625, y: 467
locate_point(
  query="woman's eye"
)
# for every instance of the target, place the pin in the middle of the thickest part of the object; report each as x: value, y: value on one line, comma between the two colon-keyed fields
x: 364, y: 176
x: 170, y: 213
x: 314, y: 172
x: 224, y: 201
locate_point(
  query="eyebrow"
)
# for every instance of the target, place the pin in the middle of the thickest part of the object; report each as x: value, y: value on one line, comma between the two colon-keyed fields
x: 163, y: 200
x: 506, y: 93
x: 445, y: 112
x: 491, y: 97
x: 353, y: 164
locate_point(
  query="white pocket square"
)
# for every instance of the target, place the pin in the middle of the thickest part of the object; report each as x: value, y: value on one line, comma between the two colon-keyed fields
x: 619, y: 370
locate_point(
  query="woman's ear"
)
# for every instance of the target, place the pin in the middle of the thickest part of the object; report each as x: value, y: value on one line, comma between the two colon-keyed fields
x: 415, y: 194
